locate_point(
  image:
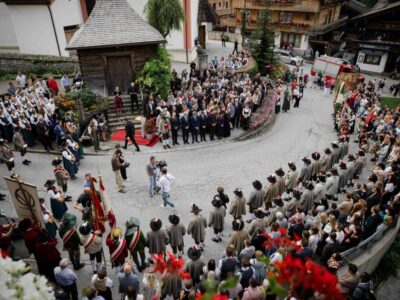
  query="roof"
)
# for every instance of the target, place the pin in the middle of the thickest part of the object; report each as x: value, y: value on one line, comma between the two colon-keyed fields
x: 114, y: 23
x: 356, y: 6
x: 206, y: 13
x: 378, y: 11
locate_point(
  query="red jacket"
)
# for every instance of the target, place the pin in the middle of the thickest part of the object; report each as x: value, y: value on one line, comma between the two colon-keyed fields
x: 30, y: 238
x: 47, y: 252
x: 123, y: 253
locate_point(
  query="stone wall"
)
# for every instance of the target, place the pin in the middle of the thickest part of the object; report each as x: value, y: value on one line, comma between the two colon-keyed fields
x: 10, y: 63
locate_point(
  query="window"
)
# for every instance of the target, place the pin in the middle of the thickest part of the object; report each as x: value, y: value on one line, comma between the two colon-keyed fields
x: 219, y: 4
x: 69, y: 32
x: 292, y: 39
x: 285, y: 17
x: 215, y: 5
x: 226, y: 5
x: 372, y: 59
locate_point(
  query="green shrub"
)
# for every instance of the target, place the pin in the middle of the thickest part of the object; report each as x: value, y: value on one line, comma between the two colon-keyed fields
x: 87, y: 97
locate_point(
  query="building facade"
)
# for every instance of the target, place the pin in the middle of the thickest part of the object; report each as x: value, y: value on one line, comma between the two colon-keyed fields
x: 221, y: 7
x: 296, y: 23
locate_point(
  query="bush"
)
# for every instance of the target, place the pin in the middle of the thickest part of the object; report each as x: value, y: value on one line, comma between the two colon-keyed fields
x: 87, y: 97
x: 155, y: 77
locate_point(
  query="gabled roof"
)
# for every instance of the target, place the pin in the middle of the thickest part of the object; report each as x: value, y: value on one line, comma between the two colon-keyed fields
x: 114, y: 23
x: 378, y: 11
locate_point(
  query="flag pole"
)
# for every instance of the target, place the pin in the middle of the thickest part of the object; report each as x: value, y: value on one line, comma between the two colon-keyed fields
x: 102, y: 249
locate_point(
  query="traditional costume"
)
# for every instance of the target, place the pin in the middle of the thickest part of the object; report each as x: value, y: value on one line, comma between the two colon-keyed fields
x: 292, y: 177
x: 57, y: 201
x: 280, y: 184
x: 176, y: 233
x: 117, y: 246
x: 157, y: 238
x: 136, y: 242
x: 195, y: 266
x: 71, y: 241
x: 271, y: 191
x: 238, y: 205
x: 217, y: 219
x: 61, y: 176
x: 238, y: 236
x: 92, y: 245
x: 197, y: 227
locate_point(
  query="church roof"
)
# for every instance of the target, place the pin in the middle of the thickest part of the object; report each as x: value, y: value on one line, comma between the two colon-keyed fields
x: 114, y: 23
x: 206, y: 13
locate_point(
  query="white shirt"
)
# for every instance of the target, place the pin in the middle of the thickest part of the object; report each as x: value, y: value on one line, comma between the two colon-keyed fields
x: 165, y: 183
x: 21, y: 79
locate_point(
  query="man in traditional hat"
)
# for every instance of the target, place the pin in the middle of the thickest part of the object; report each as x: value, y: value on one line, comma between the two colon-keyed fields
x: 277, y: 206
x: 164, y: 127
x: 71, y: 241
x: 258, y: 222
x: 222, y: 196
x: 92, y: 245
x: 280, y: 183
x: 316, y: 165
x: 157, y: 238
x: 256, y: 199
x: 116, y: 167
x: 307, y: 199
x: 342, y: 176
x: 335, y: 152
x: 7, y: 156
x: 332, y: 184
x: 326, y: 163
x: 62, y: 176
x: 195, y: 265
x: 176, y: 232
x: 350, y: 170
x: 293, y: 203
x: 359, y: 164
x: 197, y: 227
x: 117, y: 247
x: 21, y: 146
x: 238, y: 205
x: 305, y: 172
x: 239, y: 235
x: 136, y: 242
x: 292, y: 176
x: 217, y: 219
x: 271, y: 190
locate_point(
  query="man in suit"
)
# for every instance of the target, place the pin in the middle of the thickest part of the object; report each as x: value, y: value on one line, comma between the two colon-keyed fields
x: 130, y: 134
x: 150, y: 107
x: 185, y: 127
x: 194, y: 127
x: 133, y: 91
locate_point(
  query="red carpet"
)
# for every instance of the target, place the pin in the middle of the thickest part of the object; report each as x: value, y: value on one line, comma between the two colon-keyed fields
x: 119, y: 136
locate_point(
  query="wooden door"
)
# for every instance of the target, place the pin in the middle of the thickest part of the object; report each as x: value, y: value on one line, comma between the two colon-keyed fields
x: 202, y: 36
x: 119, y: 73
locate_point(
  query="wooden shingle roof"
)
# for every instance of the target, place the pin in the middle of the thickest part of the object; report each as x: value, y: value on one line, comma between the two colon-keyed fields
x: 114, y: 23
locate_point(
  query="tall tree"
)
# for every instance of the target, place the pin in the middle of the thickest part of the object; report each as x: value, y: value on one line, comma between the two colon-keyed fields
x: 164, y: 15
x: 264, y: 41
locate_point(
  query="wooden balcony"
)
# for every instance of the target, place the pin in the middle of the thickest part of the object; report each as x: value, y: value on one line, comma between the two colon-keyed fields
x: 280, y: 5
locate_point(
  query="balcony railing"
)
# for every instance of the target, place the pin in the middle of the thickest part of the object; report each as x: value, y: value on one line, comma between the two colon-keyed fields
x: 283, y: 5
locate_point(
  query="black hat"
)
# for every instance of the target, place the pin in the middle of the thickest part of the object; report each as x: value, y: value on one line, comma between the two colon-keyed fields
x: 174, y: 219
x: 194, y: 253
x: 238, y: 192
x: 278, y: 201
x: 195, y: 209
x: 322, y: 177
x: 56, y: 161
x: 327, y: 151
x: 292, y: 166
x: 49, y: 183
x: 259, y: 214
x: 316, y: 156
x: 257, y: 184
x: 351, y: 157
x: 361, y: 153
x: 310, y: 186
x: 84, y: 229
x: 216, y: 201
x: 280, y: 172
x: 155, y: 224
x: 306, y: 160
x: 237, y: 225
x: 44, y: 237
x: 334, y: 144
x: 271, y: 178
x: 342, y: 165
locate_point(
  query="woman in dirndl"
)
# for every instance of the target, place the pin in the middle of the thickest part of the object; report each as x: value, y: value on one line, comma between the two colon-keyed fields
x: 69, y: 161
x: 57, y: 203
x: 73, y: 148
x: 118, y: 101
x: 49, y: 220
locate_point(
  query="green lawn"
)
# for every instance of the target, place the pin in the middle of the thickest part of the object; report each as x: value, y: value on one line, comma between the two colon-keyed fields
x: 390, y: 101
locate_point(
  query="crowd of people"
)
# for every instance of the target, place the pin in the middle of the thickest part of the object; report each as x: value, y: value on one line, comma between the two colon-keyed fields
x: 315, y: 211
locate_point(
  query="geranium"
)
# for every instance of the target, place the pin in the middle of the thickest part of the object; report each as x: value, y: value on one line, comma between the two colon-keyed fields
x: 173, y: 265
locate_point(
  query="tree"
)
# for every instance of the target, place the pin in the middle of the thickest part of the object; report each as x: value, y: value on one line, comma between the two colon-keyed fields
x: 155, y: 77
x: 264, y: 41
x: 164, y: 15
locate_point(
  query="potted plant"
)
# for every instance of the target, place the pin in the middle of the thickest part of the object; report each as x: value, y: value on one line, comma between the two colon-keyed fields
x: 150, y: 127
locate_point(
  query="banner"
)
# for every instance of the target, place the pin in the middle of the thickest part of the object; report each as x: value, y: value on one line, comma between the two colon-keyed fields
x: 25, y: 199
